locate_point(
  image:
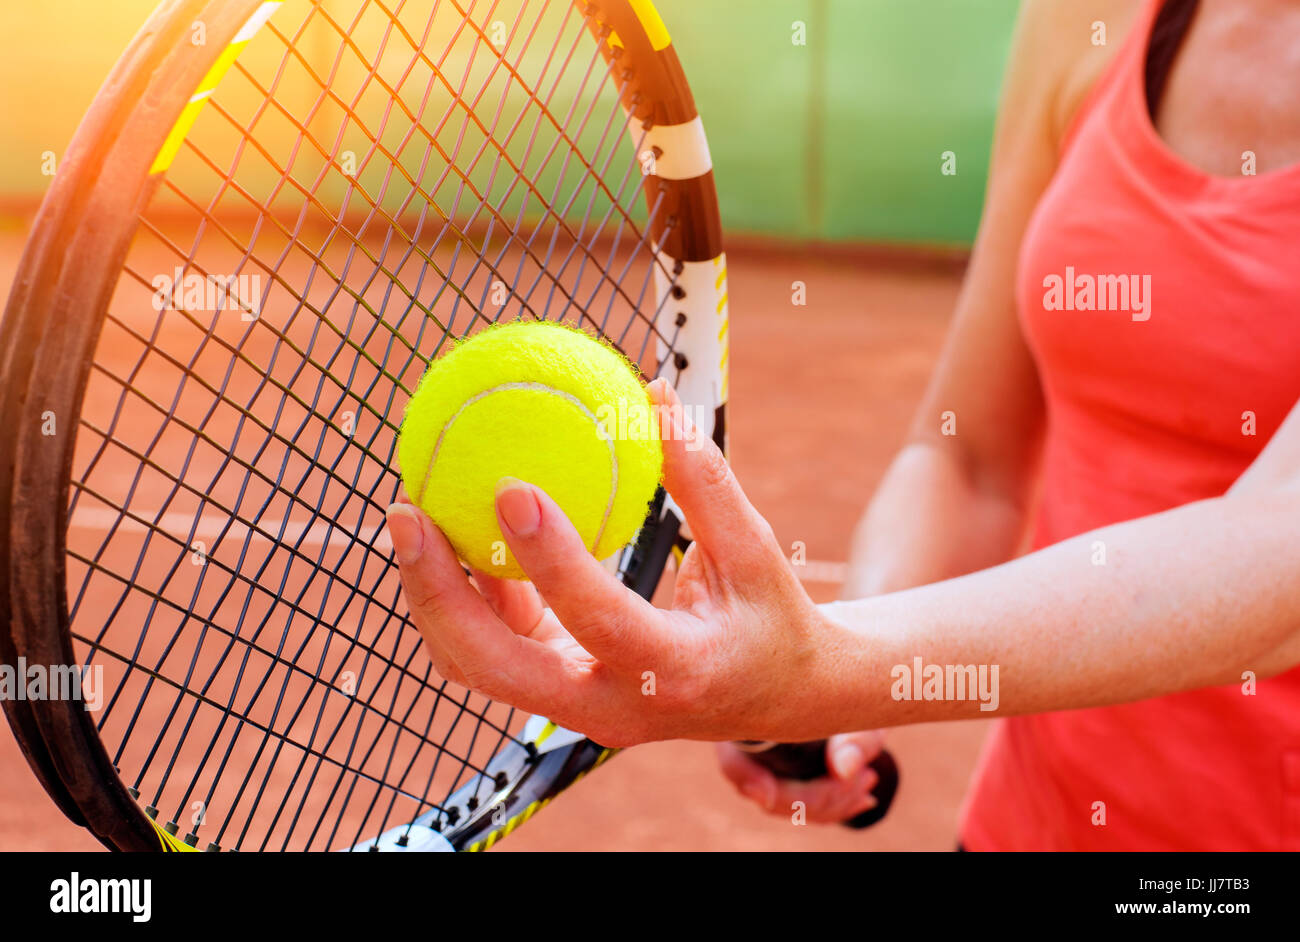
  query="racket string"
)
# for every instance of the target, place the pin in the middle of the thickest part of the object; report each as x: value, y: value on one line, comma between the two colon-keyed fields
x: 451, y: 161
x: 580, y: 252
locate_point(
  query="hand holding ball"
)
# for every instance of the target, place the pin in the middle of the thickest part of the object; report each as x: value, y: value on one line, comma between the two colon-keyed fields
x: 541, y: 402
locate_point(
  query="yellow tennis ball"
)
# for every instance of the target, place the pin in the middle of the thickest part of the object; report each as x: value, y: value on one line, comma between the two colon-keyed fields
x: 544, y: 403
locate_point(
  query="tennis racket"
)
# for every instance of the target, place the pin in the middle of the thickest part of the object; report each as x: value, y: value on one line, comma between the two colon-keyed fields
x: 274, y: 216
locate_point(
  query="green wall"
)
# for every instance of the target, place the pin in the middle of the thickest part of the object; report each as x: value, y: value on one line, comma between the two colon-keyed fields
x: 838, y: 139
x: 842, y: 138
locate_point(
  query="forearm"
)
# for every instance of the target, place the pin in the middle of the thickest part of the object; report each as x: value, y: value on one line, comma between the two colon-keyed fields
x: 928, y: 522
x: 1177, y: 601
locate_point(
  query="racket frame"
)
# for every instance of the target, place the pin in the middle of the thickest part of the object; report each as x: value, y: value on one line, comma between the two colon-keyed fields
x: 52, y: 322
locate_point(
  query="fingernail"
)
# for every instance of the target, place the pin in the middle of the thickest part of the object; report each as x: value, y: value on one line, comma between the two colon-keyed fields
x: 691, y: 432
x: 683, y: 427
x: 658, y: 391
x: 847, y: 759
x: 674, y: 423
x: 665, y: 416
x: 518, y: 507
x: 407, y: 533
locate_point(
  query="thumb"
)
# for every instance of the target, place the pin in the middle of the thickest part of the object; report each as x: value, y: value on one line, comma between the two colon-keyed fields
x: 847, y: 754
x: 697, y: 475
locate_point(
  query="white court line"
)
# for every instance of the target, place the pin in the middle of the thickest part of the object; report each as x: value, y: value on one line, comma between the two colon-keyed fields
x: 179, y: 525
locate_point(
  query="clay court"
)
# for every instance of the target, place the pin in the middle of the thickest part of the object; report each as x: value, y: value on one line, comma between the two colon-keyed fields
x: 845, y: 252
x: 821, y: 397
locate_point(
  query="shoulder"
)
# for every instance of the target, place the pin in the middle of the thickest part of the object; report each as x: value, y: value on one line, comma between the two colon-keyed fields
x: 1060, y: 49
x: 1076, y: 28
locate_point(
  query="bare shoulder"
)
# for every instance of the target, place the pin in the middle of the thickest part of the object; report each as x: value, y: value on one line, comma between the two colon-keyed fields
x: 1061, y: 48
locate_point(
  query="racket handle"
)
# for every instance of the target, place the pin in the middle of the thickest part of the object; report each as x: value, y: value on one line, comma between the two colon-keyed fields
x: 804, y: 761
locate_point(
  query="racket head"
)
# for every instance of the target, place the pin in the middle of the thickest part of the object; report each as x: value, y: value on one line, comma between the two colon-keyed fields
x: 203, y: 524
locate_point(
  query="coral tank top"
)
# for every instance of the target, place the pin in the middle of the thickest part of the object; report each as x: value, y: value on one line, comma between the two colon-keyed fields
x: 1162, y: 306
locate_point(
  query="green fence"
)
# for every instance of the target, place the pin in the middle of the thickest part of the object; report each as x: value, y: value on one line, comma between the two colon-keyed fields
x: 844, y: 137
x: 835, y: 134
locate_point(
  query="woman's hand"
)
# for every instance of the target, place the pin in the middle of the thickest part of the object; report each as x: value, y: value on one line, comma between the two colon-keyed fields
x: 743, y: 653
x: 832, y: 799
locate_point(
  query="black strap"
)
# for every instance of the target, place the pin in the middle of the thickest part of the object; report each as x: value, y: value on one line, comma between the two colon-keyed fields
x: 1171, y: 26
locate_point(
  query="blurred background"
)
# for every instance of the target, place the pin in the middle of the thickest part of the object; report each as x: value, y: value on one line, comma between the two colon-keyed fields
x: 829, y: 122
x: 838, y: 139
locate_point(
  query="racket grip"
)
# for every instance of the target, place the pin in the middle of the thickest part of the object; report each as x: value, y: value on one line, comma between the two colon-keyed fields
x: 804, y: 761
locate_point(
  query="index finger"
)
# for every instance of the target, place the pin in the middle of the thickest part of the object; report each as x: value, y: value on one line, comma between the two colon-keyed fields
x: 609, y: 620
x: 454, y: 618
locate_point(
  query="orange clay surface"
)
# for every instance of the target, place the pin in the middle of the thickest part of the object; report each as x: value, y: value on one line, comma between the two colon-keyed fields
x: 820, y: 398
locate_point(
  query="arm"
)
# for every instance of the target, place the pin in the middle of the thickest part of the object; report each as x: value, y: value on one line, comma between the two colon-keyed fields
x: 957, y: 503
x: 953, y: 504
x: 1189, y: 598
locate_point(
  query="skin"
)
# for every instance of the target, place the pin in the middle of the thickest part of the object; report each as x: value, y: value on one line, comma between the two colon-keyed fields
x: 1189, y: 598
x: 953, y: 505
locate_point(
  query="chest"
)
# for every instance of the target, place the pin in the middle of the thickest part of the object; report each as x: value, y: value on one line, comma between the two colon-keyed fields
x: 1179, y: 316
x: 1230, y: 102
